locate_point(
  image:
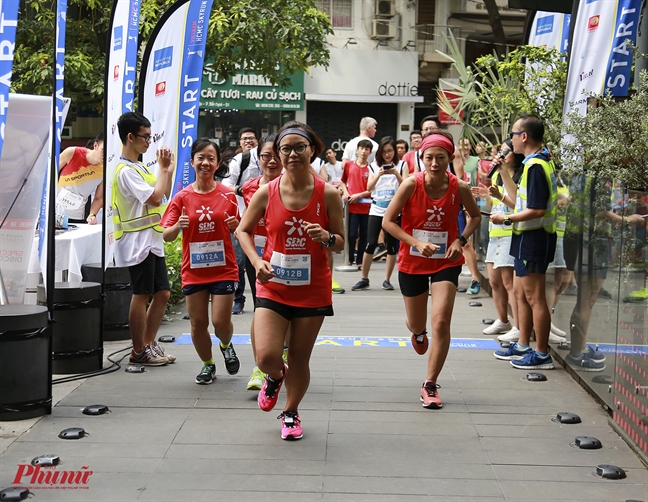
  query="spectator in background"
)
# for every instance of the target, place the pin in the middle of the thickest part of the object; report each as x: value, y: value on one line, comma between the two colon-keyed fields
x: 80, y: 175
x: 243, y: 167
x: 401, y: 148
x: 368, y: 128
x: 355, y: 193
x: 333, y: 167
x: 385, y: 176
x: 416, y: 136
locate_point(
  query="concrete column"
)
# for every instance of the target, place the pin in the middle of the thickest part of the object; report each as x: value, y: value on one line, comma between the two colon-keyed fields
x: 405, y: 116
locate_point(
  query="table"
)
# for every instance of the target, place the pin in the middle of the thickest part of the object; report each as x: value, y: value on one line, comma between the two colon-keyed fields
x: 74, y: 248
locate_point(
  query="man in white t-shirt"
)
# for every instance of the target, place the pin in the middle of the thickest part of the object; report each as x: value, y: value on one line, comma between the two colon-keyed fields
x: 333, y: 167
x: 138, y: 202
x: 242, y: 168
x: 368, y: 128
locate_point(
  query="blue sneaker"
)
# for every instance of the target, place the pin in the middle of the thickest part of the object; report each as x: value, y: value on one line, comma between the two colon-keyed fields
x: 594, y: 355
x: 512, y: 353
x: 534, y: 361
x: 583, y: 362
x: 237, y: 308
x: 474, y: 288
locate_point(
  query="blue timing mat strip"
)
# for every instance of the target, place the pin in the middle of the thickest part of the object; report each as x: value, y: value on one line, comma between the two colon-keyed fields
x: 457, y: 343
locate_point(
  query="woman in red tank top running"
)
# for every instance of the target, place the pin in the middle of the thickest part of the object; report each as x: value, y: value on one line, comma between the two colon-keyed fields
x: 303, y: 217
x: 431, y: 251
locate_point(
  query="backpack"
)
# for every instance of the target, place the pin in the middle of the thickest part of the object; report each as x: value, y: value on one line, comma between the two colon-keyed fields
x: 245, y: 162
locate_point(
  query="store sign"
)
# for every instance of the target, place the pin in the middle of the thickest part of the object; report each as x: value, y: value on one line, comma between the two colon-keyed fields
x: 248, y: 91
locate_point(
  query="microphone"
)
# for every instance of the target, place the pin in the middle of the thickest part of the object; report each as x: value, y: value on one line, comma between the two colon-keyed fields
x: 498, y: 160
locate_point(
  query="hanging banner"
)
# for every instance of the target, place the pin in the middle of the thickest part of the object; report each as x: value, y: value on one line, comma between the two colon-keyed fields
x: 617, y: 78
x: 550, y: 29
x: 249, y: 91
x: 57, y: 121
x: 119, y: 93
x: 171, y: 76
x: 22, y: 170
x: 9, y: 17
x: 599, y: 56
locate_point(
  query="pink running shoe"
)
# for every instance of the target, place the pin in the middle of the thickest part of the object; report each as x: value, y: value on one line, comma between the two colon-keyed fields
x: 420, y: 343
x: 430, y: 397
x: 270, y: 391
x: 291, y: 429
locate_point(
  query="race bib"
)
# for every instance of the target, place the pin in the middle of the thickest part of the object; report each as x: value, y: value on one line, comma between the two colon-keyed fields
x: 385, y: 194
x: 259, y: 243
x: 437, y: 238
x: 291, y: 270
x: 69, y: 200
x: 207, y: 254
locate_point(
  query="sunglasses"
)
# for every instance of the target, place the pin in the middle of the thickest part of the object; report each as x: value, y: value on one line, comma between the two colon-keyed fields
x: 514, y: 133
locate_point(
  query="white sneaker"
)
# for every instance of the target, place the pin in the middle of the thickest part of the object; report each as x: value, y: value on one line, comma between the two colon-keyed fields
x: 498, y: 327
x: 512, y: 336
x: 554, y: 338
x: 557, y: 331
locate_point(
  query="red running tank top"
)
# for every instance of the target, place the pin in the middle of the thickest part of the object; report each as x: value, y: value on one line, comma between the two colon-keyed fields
x: 303, y: 277
x: 430, y: 220
x: 248, y: 189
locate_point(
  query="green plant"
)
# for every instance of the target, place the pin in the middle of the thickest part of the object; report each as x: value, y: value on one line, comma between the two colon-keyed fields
x: 611, y: 140
x: 276, y: 38
x: 173, y: 257
x: 495, y: 90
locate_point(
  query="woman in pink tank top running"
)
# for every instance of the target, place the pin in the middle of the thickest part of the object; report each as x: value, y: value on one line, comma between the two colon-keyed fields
x: 303, y: 217
x: 431, y: 251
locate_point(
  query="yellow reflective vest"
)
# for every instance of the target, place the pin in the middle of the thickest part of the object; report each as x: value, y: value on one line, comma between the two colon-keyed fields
x: 150, y: 216
x: 548, y: 221
x: 499, y: 207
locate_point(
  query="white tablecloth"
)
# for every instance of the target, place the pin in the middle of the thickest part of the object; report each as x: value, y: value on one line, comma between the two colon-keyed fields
x: 74, y: 248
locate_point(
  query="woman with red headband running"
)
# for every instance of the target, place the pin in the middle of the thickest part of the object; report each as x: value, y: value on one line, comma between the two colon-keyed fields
x: 431, y: 253
x: 303, y: 217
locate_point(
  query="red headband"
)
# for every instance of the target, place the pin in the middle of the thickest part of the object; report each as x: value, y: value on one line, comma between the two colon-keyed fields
x: 437, y: 140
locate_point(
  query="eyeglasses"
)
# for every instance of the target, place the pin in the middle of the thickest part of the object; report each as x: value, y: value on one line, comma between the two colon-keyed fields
x: 145, y: 138
x: 298, y: 149
x: 514, y: 133
x: 248, y: 139
x: 267, y: 157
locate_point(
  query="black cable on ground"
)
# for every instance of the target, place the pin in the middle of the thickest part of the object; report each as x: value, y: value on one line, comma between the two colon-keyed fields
x: 103, y: 371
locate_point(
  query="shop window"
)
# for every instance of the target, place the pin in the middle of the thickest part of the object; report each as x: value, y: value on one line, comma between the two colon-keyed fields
x: 339, y: 11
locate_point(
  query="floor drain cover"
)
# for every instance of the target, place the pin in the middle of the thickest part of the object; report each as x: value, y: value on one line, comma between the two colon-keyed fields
x: 567, y: 418
x: 536, y: 377
x: 587, y: 443
x: 10, y: 494
x: 46, y: 460
x: 95, y: 409
x: 72, y: 433
x: 610, y: 472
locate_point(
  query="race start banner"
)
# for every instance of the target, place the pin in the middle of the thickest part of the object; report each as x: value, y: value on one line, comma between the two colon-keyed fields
x: 600, y: 58
x: 170, y: 84
x: 9, y: 17
x: 58, y: 121
x: 119, y: 95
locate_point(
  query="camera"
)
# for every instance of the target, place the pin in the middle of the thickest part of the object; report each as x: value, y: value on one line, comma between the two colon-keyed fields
x: 388, y: 166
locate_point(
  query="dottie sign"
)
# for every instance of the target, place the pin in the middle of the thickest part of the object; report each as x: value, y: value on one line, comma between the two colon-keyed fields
x: 51, y: 478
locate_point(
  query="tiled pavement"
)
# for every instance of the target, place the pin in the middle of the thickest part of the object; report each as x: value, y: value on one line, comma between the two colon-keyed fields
x: 366, y: 435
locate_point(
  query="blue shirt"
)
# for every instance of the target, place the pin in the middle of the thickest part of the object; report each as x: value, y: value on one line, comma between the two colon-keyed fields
x: 535, y: 245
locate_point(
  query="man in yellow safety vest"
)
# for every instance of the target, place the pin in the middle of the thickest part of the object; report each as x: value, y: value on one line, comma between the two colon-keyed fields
x: 138, y: 202
x: 533, y: 243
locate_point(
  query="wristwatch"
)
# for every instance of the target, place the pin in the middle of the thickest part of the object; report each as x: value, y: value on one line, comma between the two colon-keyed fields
x: 462, y: 240
x: 332, y: 240
x: 507, y: 221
